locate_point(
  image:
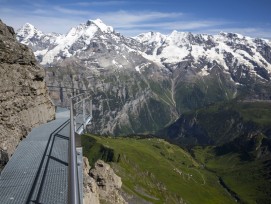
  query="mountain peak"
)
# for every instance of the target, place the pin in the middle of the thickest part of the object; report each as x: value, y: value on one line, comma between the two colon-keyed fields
x: 179, y: 33
x: 28, y: 30
x: 174, y: 32
x: 98, y: 21
x: 231, y: 35
x: 28, y: 25
x: 100, y: 24
x: 150, y: 37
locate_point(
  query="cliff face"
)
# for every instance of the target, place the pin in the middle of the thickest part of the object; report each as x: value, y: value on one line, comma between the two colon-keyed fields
x: 24, y: 100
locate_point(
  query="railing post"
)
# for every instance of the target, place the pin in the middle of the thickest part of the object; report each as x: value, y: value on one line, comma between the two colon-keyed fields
x: 90, y: 108
x: 73, y: 181
x: 84, y: 113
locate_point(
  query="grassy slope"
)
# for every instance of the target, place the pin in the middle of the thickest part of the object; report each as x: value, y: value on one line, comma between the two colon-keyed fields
x: 245, y: 178
x: 156, y: 170
x: 258, y: 112
x: 220, y: 123
x: 221, y: 120
x: 147, y: 165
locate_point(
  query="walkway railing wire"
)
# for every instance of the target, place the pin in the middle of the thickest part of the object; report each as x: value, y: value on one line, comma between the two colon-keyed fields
x: 80, y: 116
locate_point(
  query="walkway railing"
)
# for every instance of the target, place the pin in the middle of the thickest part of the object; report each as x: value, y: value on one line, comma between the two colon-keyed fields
x: 61, y: 95
x: 80, y: 116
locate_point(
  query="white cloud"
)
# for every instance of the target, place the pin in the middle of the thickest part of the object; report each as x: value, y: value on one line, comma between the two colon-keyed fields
x: 247, y: 31
x: 129, y: 18
x: 179, y: 25
x: 6, y: 10
x: 40, y: 11
x: 101, y: 3
x: 45, y: 24
x: 70, y: 11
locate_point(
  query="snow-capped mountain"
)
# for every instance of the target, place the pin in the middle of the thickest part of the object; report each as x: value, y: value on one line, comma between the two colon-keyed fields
x: 132, y: 78
x: 81, y: 42
x: 35, y: 38
x: 228, y: 50
x: 27, y: 32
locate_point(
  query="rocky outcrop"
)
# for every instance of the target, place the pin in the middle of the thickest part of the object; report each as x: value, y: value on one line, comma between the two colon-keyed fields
x: 24, y: 100
x: 3, y: 159
x: 103, y: 180
x: 108, y: 182
x: 90, y: 188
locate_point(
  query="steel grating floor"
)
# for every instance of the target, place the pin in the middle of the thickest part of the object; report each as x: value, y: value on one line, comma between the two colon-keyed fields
x: 38, y: 170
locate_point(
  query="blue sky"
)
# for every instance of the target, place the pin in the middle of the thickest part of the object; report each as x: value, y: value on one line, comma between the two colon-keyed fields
x: 130, y: 18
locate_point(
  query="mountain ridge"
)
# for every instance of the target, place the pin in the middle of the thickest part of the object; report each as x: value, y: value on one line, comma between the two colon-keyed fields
x: 159, y: 48
x: 131, y: 77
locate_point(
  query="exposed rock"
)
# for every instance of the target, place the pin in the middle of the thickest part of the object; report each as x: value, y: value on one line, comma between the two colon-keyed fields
x: 24, y: 99
x: 109, y: 184
x: 3, y: 159
x: 90, y: 190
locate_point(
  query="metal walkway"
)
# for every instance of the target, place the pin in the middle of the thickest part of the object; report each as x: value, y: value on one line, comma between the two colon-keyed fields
x: 38, y: 170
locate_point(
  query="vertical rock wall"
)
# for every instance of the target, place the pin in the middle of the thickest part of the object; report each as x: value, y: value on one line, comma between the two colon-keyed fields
x: 24, y: 100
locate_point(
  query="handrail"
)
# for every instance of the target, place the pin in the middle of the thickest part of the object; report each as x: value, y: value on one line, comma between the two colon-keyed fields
x: 73, y: 180
x: 64, y: 101
x: 73, y: 188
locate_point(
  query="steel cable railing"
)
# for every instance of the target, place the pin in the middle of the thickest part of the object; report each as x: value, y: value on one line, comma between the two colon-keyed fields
x: 82, y: 112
